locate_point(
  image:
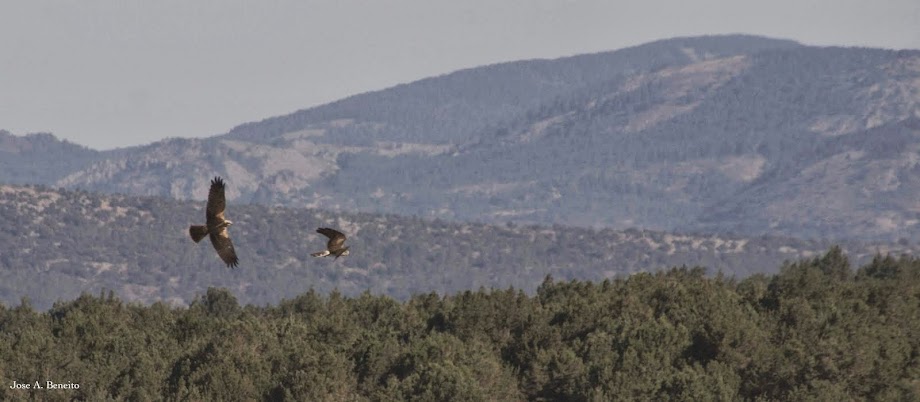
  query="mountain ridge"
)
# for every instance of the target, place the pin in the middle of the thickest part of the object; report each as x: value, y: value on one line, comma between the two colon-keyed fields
x: 677, y: 134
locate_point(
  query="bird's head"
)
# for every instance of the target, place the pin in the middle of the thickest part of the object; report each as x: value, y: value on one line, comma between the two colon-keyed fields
x: 343, y: 253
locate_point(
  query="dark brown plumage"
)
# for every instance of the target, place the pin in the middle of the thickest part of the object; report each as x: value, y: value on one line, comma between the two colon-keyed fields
x: 217, y: 225
x: 336, y: 244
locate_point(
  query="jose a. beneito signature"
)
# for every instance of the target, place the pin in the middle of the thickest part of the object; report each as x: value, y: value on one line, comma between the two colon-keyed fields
x: 44, y: 385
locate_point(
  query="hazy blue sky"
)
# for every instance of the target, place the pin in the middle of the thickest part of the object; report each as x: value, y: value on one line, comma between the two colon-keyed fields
x: 116, y: 73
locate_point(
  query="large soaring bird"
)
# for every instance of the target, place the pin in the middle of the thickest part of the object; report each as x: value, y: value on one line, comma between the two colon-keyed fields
x: 217, y: 225
x: 335, y: 246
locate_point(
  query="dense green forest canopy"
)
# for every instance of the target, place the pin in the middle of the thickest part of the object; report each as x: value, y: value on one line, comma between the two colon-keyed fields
x: 817, y: 330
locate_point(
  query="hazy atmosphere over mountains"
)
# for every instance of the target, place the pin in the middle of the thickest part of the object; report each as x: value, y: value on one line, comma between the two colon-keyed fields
x: 110, y: 74
x: 720, y: 134
x: 702, y: 218
x: 540, y: 200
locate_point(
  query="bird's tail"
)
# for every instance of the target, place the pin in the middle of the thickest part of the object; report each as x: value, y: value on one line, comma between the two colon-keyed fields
x: 198, y: 232
x: 320, y: 253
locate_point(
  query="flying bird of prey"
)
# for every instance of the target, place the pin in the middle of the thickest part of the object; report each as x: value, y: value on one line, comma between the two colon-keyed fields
x: 217, y: 225
x: 335, y: 246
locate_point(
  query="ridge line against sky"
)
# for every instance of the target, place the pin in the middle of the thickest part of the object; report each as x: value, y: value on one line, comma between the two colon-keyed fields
x: 111, y: 73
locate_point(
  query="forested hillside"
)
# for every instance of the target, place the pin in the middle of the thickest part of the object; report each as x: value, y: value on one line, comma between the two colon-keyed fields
x: 40, y: 158
x: 815, y: 331
x: 715, y: 134
x: 57, y: 244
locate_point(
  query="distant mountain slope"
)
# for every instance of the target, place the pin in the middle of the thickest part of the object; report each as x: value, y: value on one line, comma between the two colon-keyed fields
x: 865, y: 183
x: 453, y: 108
x: 710, y: 134
x: 40, y: 158
x: 59, y: 244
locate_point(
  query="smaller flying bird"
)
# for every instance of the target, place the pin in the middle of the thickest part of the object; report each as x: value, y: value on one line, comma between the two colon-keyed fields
x: 217, y: 225
x: 335, y: 246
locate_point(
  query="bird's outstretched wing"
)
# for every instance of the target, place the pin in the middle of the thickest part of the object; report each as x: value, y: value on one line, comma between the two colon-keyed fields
x: 216, y: 202
x: 336, y: 238
x: 224, y: 247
